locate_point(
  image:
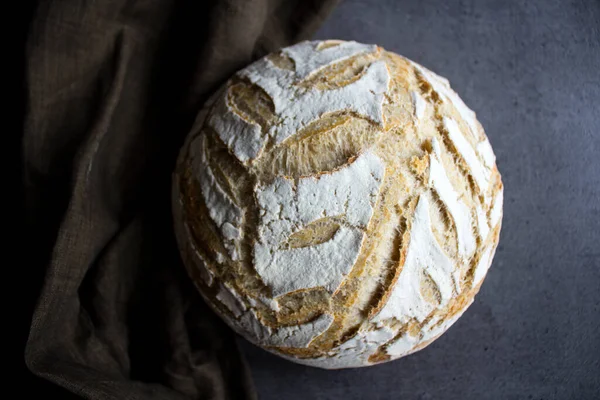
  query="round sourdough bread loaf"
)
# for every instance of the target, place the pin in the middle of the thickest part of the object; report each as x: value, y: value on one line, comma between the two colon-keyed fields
x: 337, y: 204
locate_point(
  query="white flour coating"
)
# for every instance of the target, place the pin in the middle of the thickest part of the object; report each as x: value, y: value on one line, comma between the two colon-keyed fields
x: 354, y: 352
x: 424, y: 257
x: 406, y: 343
x: 482, y: 224
x: 298, y: 336
x: 459, y: 211
x: 244, y: 138
x: 231, y: 299
x: 285, y: 208
x: 464, y: 148
x: 483, y: 265
x: 419, y: 104
x: 247, y: 323
x: 496, y: 212
x: 403, y: 345
x: 484, y: 148
x: 442, y: 86
x: 363, y: 96
x: 221, y: 208
x: 308, y: 59
x: 219, y: 258
x: 273, y: 304
x: 433, y: 328
x: 323, y: 265
x: 297, y: 107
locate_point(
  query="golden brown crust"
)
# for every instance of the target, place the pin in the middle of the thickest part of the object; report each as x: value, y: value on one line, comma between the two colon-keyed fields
x: 414, y: 115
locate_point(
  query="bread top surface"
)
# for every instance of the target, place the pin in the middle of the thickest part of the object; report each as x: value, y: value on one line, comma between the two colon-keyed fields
x: 338, y: 204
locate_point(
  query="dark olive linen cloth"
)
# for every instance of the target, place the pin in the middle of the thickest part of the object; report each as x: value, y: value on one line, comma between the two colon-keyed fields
x: 111, y: 88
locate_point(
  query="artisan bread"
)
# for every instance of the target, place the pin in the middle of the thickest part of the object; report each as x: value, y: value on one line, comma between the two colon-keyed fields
x: 337, y: 204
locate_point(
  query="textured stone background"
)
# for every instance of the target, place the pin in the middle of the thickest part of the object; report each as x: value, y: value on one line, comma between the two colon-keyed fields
x: 531, y: 72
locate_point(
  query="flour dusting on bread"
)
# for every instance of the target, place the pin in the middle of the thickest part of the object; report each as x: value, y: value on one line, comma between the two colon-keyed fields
x: 338, y: 204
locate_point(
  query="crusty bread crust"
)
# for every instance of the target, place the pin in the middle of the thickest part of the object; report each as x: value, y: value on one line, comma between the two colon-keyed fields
x: 337, y: 204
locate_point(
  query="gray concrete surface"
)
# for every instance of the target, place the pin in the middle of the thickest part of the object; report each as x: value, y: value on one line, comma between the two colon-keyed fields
x: 531, y: 72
